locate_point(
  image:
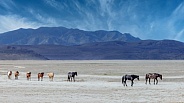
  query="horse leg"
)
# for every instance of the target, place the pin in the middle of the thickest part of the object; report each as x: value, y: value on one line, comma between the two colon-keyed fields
x: 68, y: 78
x: 146, y: 81
x: 74, y: 79
x: 149, y: 81
x: 132, y: 83
x: 156, y: 81
x: 125, y: 83
x: 49, y: 78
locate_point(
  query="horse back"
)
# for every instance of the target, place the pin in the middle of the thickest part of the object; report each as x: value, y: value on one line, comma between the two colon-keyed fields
x: 152, y: 75
x: 40, y: 74
x: 17, y: 73
x: 51, y: 74
x: 9, y: 73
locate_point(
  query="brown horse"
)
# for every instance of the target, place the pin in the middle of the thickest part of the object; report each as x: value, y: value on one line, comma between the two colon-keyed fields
x: 40, y: 75
x: 16, y: 75
x: 28, y: 75
x: 51, y: 76
x: 153, y: 76
x: 9, y: 74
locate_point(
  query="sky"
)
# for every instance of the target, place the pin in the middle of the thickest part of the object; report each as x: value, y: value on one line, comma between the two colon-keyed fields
x: 146, y: 19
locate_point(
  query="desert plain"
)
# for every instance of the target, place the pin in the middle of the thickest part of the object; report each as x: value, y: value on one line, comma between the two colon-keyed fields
x: 98, y: 81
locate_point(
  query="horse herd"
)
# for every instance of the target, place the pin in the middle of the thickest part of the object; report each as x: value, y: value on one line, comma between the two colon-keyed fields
x: 71, y: 75
x: 148, y: 76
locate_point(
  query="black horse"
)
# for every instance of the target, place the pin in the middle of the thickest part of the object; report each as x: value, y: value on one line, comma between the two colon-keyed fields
x: 129, y: 77
x: 153, y: 76
x: 71, y: 75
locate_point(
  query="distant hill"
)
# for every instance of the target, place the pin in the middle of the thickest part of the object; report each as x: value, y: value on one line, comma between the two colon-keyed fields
x: 61, y: 36
x: 115, y: 50
x: 18, y: 53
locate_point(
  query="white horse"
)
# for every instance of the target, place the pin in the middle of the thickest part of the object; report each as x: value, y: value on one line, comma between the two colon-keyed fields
x: 9, y: 74
x: 51, y: 76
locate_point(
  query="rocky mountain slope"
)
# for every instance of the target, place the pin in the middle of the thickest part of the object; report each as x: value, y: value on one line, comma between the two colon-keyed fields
x: 61, y: 36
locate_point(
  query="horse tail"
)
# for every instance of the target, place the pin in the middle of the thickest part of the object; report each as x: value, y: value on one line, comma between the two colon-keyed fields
x: 123, y: 78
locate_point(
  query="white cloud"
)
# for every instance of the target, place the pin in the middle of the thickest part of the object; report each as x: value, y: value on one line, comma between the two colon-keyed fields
x: 13, y: 22
x: 179, y: 35
x: 55, y: 4
x: 175, y: 30
x: 126, y: 16
x: 8, y: 4
x: 43, y: 19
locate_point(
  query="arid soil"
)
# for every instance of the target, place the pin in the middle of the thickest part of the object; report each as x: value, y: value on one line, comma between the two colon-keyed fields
x: 97, y: 81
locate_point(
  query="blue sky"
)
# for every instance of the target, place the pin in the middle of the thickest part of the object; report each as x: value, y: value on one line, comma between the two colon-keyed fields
x: 146, y: 19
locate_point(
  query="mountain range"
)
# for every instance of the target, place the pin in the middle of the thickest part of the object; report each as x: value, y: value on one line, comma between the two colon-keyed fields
x: 60, y: 43
x: 61, y: 36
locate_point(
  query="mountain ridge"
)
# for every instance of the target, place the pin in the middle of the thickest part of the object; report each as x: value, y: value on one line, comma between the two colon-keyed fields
x: 61, y: 36
x: 52, y: 43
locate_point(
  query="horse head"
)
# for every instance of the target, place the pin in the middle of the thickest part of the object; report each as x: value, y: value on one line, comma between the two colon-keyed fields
x: 160, y: 76
x: 76, y: 73
x: 17, y: 72
x: 42, y: 73
x: 137, y: 77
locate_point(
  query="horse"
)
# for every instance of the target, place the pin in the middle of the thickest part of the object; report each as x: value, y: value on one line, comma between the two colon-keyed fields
x: 28, y: 75
x: 129, y: 77
x: 9, y: 74
x: 16, y: 75
x: 153, y: 76
x: 51, y: 76
x: 40, y: 75
x: 71, y: 75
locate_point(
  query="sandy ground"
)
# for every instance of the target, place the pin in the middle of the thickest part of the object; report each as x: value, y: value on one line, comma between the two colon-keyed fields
x: 97, y: 82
